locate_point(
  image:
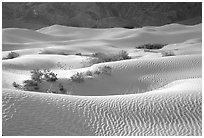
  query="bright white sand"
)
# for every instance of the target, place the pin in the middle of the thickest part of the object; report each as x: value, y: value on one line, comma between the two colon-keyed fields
x: 146, y: 95
x: 175, y: 110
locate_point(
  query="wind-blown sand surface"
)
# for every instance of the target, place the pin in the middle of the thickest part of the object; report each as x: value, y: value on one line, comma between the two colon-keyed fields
x: 146, y: 95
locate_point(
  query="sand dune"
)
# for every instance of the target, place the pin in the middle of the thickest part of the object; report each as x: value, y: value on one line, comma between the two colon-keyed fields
x: 122, y: 38
x: 16, y: 35
x: 150, y: 94
x: 44, y: 61
x: 171, y: 111
x: 189, y: 47
x: 130, y: 76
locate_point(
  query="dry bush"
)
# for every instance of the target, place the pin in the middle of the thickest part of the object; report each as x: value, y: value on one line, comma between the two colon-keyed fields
x: 62, y: 90
x: 167, y: 53
x: 79, y: 54
x: 30, y: 85
x: 78, y: 77
x: 106, y: 70
x: 88, y: 73
x: 11, y: 55
x: 101, y: 57
x: 151, y: 46
x: 37, y: 77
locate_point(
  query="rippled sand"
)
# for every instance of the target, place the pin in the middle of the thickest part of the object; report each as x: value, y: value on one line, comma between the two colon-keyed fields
x: 147, y: 95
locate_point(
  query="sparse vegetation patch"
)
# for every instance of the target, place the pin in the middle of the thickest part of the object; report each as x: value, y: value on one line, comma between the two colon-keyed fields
x: 37, y: 77
x: 11, y: 55
x: 151, y: 46
x: 101, y: 57
x: 167, y: 53
x: 106, y: 70
x: 78, y: 77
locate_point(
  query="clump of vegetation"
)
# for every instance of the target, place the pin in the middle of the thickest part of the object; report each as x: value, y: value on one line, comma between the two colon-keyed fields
x: 97, y: 72
x: 78, y: 77
x: 167, y: 53
x: 129, y: 27
x: 49, y: 77
x: 30, y: 85
x: 11, y: 55
x: 17, y: 86
x: 123, y: 55
x: 37, y: 77
x: 103, y: 70
x: 62, y: 90
x: 79, y: 54
x: 89, y: 73
x: 151, y: 46
x: 101, y: 57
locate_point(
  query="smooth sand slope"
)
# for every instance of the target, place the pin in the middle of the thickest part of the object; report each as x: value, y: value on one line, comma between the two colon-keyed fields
x: 146, y: 95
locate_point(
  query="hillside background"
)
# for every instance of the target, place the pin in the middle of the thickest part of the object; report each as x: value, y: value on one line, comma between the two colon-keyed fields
x: 35, y: 15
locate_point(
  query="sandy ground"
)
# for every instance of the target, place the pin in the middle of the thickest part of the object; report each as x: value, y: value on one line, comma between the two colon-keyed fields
x: 146, y: 95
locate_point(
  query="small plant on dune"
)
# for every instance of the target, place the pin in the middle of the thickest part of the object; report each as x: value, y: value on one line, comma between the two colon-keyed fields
x: 79, y: 54
x: 123, y: 55
x: 50, y: 77
x: 89, y: 73
x: 167, y: 53
x: 78, y: 77
x: 106, y: 70
x: 30, y: 85
x: 101, y: 57
x: 151, y: 46
x: 37, y: 77
x: 62, y: 90
x: 97, y: 72
x: 17, y: 86
x: 11, y: 55
x: 129, y: 27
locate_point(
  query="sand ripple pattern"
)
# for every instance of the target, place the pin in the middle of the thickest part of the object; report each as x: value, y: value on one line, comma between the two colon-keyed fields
x: 161, y: 112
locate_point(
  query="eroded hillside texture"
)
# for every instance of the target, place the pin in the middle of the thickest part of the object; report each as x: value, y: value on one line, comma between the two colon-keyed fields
x: 99, y: 14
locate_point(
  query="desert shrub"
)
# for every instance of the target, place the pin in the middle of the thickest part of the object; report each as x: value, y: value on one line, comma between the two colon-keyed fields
x: 11, y: 55
x: 101, y: 57
x: 103, y: 70
x: 123, y: 55
x: 106, y: 70
x: 17, y: 86
x: 98, y: 54
x: 129, y: 27
x: 36, y: 75
x: 79, y: 54
x: 49, y: 76
x: 62, y: 89
x: 97, y: 72
x: 89, y: 73
x: 167, y: 53
x: 30, y: 85
x: 78, y: 77
x: 151, y: 46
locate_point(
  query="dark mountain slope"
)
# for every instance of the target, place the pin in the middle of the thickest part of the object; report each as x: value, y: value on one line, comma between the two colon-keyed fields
x: 98, y: 14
